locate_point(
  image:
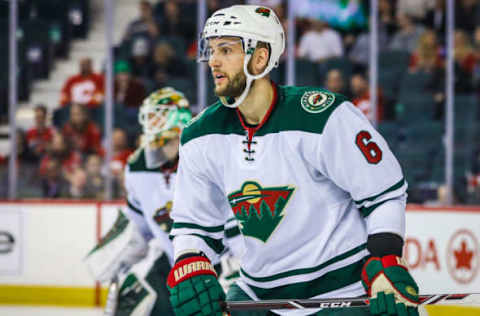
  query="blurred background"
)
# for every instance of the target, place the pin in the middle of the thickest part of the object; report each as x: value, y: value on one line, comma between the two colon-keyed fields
x: 60, y: 105
x: 74, y: 73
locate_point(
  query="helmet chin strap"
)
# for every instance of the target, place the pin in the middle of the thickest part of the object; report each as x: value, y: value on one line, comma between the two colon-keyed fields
x: 249, y: 80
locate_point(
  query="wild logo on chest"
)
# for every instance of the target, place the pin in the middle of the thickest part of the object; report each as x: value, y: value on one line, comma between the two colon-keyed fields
x: 259, y: 210
x: 162, y: 217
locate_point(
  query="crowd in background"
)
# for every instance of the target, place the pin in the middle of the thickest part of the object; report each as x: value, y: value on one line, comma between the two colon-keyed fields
x: 65, y: 159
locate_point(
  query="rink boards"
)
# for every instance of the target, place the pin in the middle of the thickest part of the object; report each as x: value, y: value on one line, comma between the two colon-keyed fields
x: 42, y: 245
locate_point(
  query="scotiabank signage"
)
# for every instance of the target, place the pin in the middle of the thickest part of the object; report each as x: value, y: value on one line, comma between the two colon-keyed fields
x: 442, y: 249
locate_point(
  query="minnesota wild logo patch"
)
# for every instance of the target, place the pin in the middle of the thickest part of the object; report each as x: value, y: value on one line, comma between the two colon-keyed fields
x: 317, y: 101
x: 259, y: 210
x: 263, y: 11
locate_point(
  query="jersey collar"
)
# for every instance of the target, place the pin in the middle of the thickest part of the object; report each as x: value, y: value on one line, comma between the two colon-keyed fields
x: 251, y: 130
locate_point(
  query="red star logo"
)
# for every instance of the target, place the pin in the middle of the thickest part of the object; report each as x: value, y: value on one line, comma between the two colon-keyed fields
x: 463, y: 257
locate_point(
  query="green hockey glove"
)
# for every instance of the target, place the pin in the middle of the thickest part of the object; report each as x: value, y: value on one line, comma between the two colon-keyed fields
x: 194, y: 289
x: 390, y: 286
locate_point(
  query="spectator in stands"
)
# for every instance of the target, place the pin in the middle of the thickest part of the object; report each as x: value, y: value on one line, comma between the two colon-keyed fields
x: 24, y: 154
x: 407, y: 36
x: 60, y: 150
x: 335, y: 81
x: 121, y: 151
x: 436, y: 18
x: 95, y: 182
x: 361, y: 96
x: 40, y: 134
x: 128, y: 91
x: 54, y: 184
x: 86, y: 88
x: 175, y: 23
x: 140, y: 57
x: 143, y: 24
x: 27, y: 182
x: 464, y: 53
x: 467, y: 15
x: 427, y: 56
x: 82, y: 133
x: 360, y: 51
x: 416, y: 9
x: 320, y: 43
x: 464, y: 63
x: 387, y: 17
x: 77, y: 182
x: 166, y: 64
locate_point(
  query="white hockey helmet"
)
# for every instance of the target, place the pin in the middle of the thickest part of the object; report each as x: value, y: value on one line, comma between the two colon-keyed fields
x: 164, y: 112
x: 252, y: 24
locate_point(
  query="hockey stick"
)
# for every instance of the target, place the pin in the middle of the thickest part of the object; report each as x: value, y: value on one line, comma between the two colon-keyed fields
x: 112, y: 298
x: 336, y: 302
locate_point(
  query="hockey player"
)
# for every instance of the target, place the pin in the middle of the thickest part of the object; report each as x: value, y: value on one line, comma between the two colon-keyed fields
x: 319, y: 196
x: 138, y: 246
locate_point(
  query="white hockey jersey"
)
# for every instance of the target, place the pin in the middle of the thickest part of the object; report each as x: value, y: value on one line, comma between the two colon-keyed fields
x: 307, y: 185
x: 149, y: 198
x: 149, y: 202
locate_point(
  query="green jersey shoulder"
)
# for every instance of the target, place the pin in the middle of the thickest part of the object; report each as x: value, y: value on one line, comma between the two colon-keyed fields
x: 297, y: 109
x: 306, y: 108
x: 216, y: 119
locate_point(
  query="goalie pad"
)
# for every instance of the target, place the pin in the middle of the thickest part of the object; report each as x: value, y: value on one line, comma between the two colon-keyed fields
x: 118, y: 250
x: 143, y: 291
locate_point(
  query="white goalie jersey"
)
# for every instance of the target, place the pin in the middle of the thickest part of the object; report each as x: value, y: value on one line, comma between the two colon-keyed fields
x: 307, y: 186
x: 149, y: 199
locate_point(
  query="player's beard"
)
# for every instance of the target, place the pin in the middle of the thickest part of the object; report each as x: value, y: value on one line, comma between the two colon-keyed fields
x: 235, y: 86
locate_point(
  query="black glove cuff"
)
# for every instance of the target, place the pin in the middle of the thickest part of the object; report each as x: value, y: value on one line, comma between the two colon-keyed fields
x: 384, y: 244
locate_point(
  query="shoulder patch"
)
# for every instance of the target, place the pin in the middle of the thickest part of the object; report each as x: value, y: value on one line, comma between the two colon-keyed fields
x: 316, y: 101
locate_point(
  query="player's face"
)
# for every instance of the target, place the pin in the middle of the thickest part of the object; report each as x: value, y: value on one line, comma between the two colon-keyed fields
x: 226, y: 57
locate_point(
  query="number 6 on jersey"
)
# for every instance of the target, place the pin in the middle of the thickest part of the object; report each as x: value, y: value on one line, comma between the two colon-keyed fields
x: 369, y: 149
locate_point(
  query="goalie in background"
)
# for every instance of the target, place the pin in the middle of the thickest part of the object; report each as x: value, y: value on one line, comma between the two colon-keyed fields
x: 137, y: 249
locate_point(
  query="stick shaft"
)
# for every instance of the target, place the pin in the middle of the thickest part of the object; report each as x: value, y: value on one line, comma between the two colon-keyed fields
x: 330, y: 302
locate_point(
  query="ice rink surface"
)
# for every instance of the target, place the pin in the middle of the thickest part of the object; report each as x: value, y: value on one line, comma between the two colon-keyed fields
x: 47, y: 311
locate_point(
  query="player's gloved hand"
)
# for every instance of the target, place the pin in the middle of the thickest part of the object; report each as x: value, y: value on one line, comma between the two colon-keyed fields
x: 390, y: 286
x: 194, y: 289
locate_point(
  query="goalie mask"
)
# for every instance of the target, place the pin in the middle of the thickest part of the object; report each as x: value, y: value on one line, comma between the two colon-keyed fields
x: 252, y: 24
x: 163, y: 114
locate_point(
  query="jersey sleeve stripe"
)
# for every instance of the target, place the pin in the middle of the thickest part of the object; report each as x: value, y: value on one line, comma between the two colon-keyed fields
x: 134, y: 208
x: 285, y: 274
x: 214, y: 244
x: 208, y: 229
x: 232, y: 232
x: 368, y: 210
x: 394, y: 187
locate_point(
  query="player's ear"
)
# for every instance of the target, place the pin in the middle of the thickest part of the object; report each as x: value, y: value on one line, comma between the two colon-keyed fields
x: 259, y: 60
